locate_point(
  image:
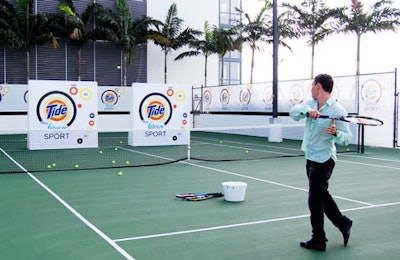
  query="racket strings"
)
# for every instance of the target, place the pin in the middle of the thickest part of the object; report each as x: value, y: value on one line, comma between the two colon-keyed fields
x: 364, y: 121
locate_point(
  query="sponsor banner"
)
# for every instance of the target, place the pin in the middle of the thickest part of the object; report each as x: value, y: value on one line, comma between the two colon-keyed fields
x: 62, y: 114
x: 259, y: 97
x: 115, y: 99
x: 376, y: 100
x: 13, y: 98
x: 160, y: 114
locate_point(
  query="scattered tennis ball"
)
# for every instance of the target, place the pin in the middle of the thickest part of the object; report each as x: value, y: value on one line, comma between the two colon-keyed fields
x: 49, y: 166
x: 100, y: 151
x: 116, y: 148
x: 54, y: 165
x: 120, y: 173
x: 121, y: 142
x: 76, y: 166
x: 247, y: 151
x: 113, y: 161
x: 220, y: 142
x: 348, y: 149
x: 127, y: 162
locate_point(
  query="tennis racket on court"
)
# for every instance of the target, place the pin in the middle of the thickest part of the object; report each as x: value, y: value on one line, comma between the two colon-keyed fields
x: 355, y: 119
x: 199, y: 196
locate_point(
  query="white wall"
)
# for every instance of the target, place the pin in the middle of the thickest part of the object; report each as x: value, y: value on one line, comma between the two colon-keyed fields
x: 189, y: 70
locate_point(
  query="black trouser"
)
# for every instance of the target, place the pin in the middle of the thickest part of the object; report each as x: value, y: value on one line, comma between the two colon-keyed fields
x: 319, y: 199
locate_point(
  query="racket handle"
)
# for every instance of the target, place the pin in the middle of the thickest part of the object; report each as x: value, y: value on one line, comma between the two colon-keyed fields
x: 320, y: 116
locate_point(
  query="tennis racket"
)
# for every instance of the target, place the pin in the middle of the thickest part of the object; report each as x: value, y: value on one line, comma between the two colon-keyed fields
x: 199, y: 196
x: 356, y: 119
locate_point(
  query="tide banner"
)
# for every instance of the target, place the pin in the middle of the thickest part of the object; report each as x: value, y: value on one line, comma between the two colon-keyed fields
x: 13, y: 98
x: 160, y: 114
x: 376, y: 96
x: 62, y: 114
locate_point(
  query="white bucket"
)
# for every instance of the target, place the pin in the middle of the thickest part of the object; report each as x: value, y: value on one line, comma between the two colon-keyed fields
x: 234, y: 190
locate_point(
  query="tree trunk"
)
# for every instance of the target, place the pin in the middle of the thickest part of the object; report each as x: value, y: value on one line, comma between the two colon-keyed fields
x: 222, y: 71
x: 165, y: 67
x: 312, y: 60
x: 79, y: 64
x: 125, y: 69
x: 358, y: 53
x: 252, y: 64
x: 28, y: 71
x: 205, y: 70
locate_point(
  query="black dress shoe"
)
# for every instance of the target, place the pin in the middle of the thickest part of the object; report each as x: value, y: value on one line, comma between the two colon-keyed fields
x: 315, y: 245
x: 346, y: 232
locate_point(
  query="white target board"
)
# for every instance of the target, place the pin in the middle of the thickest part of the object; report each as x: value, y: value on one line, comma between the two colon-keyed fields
x: 62, y: 114
x: 160, y: 115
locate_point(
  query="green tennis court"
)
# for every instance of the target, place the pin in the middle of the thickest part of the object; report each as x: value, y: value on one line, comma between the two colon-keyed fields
x: 97, y: 214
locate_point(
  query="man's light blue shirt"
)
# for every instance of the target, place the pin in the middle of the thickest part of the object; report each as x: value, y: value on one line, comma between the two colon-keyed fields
x: 318, y: 145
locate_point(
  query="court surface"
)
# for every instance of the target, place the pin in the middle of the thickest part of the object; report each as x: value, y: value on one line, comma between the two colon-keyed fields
x: 96, y: 214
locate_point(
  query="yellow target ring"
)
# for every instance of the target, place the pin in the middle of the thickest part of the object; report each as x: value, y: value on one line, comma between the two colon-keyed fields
x: 180, y: 95
x: 85, y: 94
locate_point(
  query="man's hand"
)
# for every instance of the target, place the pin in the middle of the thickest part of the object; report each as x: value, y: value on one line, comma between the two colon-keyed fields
x: 313, y: 114
x: 331, y: 130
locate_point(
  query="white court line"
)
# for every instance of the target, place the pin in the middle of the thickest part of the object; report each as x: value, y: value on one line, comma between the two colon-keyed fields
x: 272, y: 182
x: 72, y: 210
x: 371, y: 165
x: 242, y: 224
x: 370, y: 158
x: 251, y: 149
x: 246, y: 176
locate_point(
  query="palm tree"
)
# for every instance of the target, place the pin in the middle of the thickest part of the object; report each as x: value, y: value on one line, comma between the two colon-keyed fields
x: 382, y: 16
x: 21, y: 28
x: 225, y: 40
x: 69, y: 25
x: 95, y: 23
x: 125, y: 35
x: 171, y: 36
x: 203, y: 47
x: 314, y: 20
x: 255, y: 31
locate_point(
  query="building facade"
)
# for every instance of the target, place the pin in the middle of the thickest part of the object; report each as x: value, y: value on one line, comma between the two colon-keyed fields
x: 102, y: 61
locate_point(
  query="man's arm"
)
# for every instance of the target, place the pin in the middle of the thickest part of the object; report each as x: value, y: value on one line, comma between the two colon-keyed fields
x: 299, y: 111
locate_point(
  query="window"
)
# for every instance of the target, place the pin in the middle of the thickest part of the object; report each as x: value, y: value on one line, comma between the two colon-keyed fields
x: 232, y: 72
x: 228, y: 16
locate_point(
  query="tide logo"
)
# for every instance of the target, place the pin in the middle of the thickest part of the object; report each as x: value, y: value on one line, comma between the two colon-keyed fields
x: 155, y: 109
x: 224, y: 97
x: 109, y: 97
x: 245, y: 96
x: 207, y: 97
x: 56, y: 109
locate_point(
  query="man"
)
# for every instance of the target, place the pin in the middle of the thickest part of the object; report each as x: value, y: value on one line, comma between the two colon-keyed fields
x: 319, y: 146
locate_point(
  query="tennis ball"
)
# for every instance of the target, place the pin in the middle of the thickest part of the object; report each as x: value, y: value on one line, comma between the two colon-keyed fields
x: 116, y: 148
x: 120, y: 173
x: 247, y: 151
x: 49, y: 166
x: 220, y: 142
x: 348, y: 149
x: 54, y: 165
x: 127, y: 162
x: 76, y: 166
x: 113, y: 161
x: 100, y: 151
x: 121, y: 142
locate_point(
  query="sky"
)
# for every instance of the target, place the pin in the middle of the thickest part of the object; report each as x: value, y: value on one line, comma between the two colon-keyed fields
x: 336, y: 55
